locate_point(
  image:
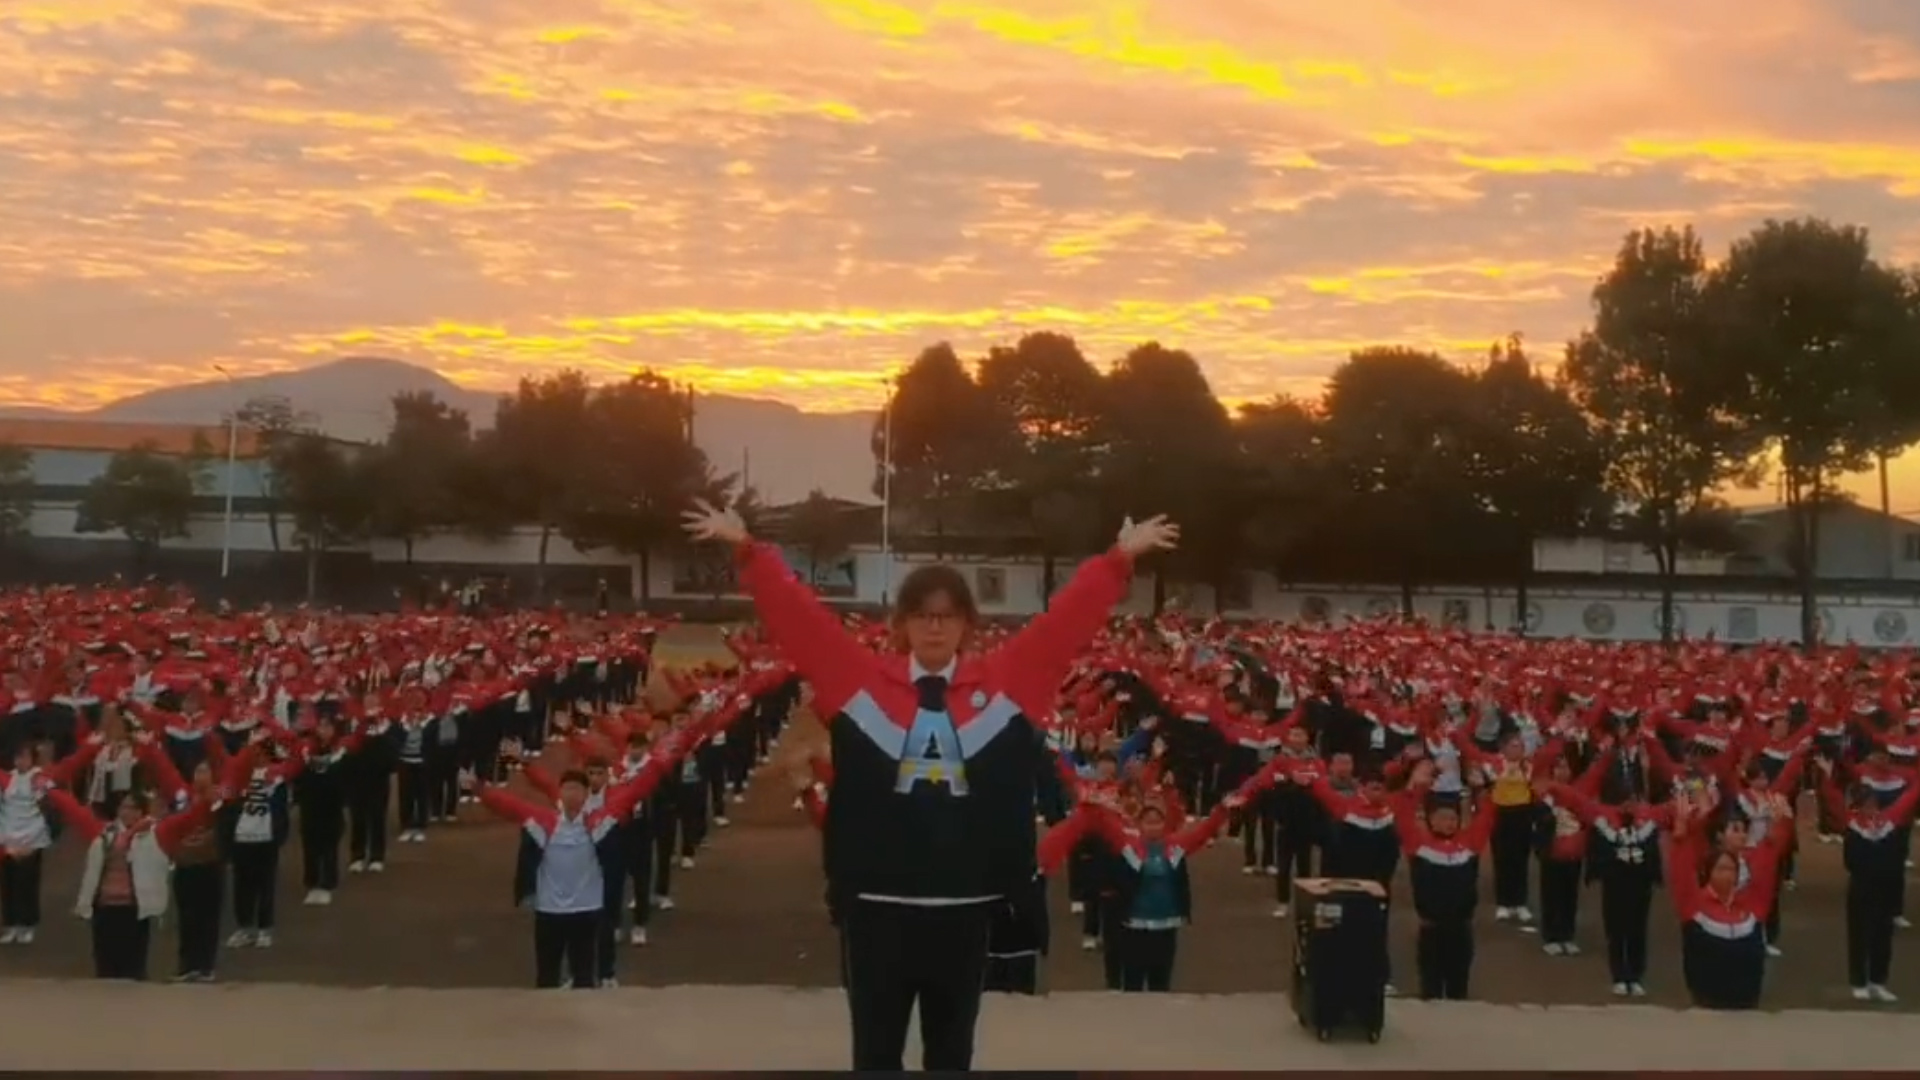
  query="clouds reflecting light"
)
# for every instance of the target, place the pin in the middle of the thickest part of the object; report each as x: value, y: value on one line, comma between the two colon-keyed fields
x: 785, y: 197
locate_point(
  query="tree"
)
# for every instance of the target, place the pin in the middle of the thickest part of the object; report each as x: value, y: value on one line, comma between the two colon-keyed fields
x: 16, y: 491
x: 1399, y: 439
x: 940, y: 433
x: 1819, y: 342
x: 1287, y: 477
x: 1053, y: 401
x: 143, y: 494
x: 644, y: 472
x: 270, y: 418
x: 1171, y: 451
x: 1535, y: 465
x: 541, y: 454
x: 817, y: 528
x: 1645, y: 377
x: 420, y: 484
x: 327, y: 493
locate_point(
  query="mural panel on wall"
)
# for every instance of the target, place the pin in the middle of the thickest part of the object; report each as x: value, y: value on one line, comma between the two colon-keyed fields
x: 1743, y: 623
x: 835, y: 579
x: 1890, y: 627
x: 1679, y: 619
x: 1316, y: 609
x: 1456, y: 612
x: 1381, y: 607
x: 1598, y: 619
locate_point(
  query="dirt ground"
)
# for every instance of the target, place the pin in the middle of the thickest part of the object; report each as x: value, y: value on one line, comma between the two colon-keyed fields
x: 751, y: 914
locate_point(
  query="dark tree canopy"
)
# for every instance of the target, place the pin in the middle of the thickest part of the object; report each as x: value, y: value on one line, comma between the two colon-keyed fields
x: 144, y: 495
x: 16, y: 491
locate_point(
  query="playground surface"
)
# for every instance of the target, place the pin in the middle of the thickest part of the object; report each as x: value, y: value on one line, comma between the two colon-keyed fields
x: 266, y: 1027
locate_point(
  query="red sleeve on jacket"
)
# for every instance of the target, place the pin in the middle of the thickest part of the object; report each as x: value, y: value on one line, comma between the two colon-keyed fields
x: 166, y: 777
x: 1034, y: 664
x: 540, y: 780
x: 804, y: 629
x: 174, y: 827
x: 1059, y: 841
x: 76, y: 816
x: 62, y: 772
x: 505, y: 804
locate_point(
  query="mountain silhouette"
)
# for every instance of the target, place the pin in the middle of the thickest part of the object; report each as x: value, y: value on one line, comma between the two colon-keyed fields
x: 786, y: 452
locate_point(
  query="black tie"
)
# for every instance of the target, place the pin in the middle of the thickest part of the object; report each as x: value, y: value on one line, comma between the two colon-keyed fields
x: 933, y: 692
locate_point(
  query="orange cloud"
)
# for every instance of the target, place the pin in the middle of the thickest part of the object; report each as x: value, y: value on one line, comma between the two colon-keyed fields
x: 791, y: 199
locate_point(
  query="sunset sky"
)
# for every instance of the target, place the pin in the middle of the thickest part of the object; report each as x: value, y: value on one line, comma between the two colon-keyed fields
x: 788, y: 197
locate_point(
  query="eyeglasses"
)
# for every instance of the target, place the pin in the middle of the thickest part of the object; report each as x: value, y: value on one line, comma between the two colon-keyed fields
x: 935, y: 618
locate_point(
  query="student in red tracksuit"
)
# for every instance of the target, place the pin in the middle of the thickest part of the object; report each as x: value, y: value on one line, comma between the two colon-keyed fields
x: 936, y: 757
x: 1723, y: 896
x: 1150, y: 874
x: 1875, y: 864
x: 1443, y: 870
x: 1561, y: 840
x: 1625, y: 842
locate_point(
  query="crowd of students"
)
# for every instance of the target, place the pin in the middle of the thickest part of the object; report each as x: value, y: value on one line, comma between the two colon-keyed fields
x: 1368, y: 745
x: 187, y: 747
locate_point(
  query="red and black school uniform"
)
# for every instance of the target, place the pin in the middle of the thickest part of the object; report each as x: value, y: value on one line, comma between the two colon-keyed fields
x: 1444, y: 875
x: 1154, y: 891
x: 1561, y: 840
x: 1876, y: 865
x: 1723, y: 939
x: 255, y: 826
x: 199, y: 866
x: 373, y: 754
x: 637, y: 849
x: 1361, y: 842
x: 1250, y: 745
x: 320, y: 792
x: 1888, y: 783
x: 563, y: 870
x: 1624, y: 857
x: 1298, y: 819
x: 930, y: 817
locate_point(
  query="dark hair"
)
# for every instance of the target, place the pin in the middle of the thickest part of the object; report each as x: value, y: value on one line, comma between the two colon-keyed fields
x: 1712, y: 859
x: 926, y: 582
x: 597, y: 761
x: 573, y: 776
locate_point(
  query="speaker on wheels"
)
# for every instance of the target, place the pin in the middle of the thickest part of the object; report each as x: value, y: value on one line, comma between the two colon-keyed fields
x: 1340, y: 956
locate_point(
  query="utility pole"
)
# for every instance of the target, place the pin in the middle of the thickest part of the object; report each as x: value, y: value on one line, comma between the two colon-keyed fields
x: 886, y: 498
x: 233, y: 457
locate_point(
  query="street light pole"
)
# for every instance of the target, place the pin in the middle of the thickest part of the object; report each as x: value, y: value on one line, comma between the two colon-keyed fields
x: 233, y: 456
x: 886, y: 498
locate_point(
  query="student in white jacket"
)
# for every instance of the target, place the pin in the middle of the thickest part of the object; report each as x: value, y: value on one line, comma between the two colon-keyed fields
x: 123, y: 888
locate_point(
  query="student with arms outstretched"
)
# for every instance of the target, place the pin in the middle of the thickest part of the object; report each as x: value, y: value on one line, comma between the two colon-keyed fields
x: 929, y: 818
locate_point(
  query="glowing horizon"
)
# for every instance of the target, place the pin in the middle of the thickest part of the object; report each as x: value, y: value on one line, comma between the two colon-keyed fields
x: 789, y: 200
